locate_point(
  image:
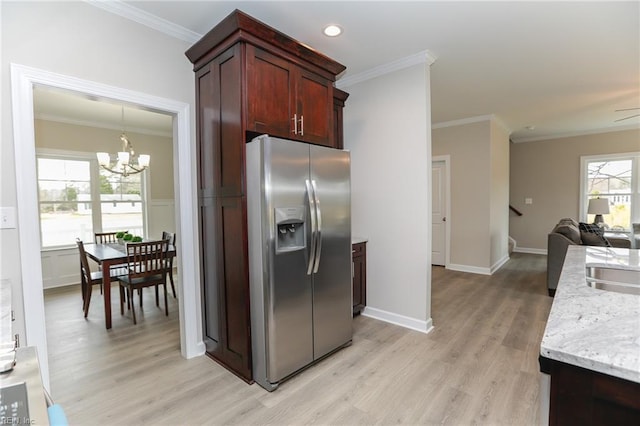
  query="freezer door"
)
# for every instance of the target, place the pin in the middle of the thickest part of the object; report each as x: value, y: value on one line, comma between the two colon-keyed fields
x: 288, y: 296
x: 332, y: 285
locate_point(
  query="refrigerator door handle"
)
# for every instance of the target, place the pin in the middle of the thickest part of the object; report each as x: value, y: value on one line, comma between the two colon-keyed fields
x: 312, y: 213
x: 318, y: 228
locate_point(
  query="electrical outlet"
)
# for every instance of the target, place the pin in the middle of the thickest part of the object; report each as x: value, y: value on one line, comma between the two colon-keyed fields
x: 528, y: 200
x: 7, y: 217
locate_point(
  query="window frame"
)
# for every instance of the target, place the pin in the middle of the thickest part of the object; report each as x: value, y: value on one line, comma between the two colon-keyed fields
x: 96, y: 202
x: 635, y: 182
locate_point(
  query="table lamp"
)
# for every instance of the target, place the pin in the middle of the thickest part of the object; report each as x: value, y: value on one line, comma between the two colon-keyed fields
x: 598, y: 206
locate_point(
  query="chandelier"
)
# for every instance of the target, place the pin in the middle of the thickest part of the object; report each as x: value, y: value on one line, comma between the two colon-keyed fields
x: 126, y: 161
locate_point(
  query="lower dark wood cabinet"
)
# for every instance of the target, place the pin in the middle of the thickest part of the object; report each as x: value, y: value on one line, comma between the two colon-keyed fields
x: 359, y: 255
x: 585, y: 397
x: 227, y: 333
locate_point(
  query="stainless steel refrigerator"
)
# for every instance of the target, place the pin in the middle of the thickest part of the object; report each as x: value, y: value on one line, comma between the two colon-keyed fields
x: 299, y: 230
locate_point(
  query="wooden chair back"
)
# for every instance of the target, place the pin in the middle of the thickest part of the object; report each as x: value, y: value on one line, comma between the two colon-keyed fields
x: 147, y: 259
x: 169, y: 236
x: 105, y: 237
x: 84, y: 262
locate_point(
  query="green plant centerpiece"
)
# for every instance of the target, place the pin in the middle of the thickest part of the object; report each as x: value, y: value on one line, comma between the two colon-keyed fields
x: 120, y: 236
x: 136, y: 239
x: 127, y: 238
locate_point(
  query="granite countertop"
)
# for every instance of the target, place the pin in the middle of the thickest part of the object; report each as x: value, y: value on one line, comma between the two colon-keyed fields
x: 358, y: 240
x: 595, y: 329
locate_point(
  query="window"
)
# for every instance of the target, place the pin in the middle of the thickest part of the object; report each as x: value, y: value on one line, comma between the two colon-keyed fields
x: 64, y: 187
x: 122, y: 207
x: 614, y: 177
x: 78, y: 198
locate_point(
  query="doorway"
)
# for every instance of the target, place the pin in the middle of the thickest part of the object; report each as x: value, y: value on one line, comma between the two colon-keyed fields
x: 440, y: 206
x: 23, y: 81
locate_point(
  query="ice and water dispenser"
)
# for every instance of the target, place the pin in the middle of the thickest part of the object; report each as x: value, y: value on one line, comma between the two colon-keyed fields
x: 290, y: 233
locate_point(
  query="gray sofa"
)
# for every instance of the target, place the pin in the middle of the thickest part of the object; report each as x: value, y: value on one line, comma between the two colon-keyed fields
x: 567, y: 232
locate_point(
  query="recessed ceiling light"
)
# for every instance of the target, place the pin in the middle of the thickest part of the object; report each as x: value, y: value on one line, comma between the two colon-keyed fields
x: 332, y: 30
x: 530, y: 127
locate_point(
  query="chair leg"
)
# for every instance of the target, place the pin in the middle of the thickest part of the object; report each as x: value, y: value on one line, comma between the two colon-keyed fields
x: 133, y: 308
x: 166, y: 304
x: 157, y: 298
x: 83, y: 285
x: 173, y: 288
x: 140, y: 295
x: 87, y: 299
x: 121, y: 300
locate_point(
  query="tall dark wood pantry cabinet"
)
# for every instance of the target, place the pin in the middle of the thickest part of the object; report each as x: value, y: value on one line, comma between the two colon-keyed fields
x: 250, y: 79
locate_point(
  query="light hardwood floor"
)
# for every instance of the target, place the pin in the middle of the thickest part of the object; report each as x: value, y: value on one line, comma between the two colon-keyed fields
x: 478, y: 365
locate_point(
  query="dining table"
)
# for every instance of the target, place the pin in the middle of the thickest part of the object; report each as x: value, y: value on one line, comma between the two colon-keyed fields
x: 107, y: 255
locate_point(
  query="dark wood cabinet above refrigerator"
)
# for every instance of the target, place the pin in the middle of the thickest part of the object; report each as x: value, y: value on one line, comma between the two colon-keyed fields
x: 250, y: 79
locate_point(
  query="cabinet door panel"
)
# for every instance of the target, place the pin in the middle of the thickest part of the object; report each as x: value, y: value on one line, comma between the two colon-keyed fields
x: 270, y: 88
x: 233, y: 285
x: 209, y: 272
x: 359, y: 254
x: 220, y: 144
x: 225, y: 283
x: 315, y: 105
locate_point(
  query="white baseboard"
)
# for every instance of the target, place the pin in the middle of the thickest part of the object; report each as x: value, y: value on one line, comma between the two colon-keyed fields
x: 499, y: 264
x: 47, y: 284
x: 467, y: 268
x: 530, y: 250
x: 397, y: 319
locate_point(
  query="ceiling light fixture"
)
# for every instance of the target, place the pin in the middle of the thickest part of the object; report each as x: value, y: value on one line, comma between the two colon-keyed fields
x: 124, y: 164
x: 332, y: 30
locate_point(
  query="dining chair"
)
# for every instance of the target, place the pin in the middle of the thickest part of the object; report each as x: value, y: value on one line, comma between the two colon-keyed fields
x: 171, y: 237
x: 89, y: 279
x: 147, y: 267
x: 105, y: 237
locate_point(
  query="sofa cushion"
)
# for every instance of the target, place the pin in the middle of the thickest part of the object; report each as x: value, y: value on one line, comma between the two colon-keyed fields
x: 592, y: 235
x: 570, y: 231
x: 568, y: 221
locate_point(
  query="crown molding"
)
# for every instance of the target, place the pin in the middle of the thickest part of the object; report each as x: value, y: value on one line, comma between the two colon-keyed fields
x: 501, y: 123
x: 470, y: 120
x: 127, y: 11
x: 463, y: 121
x: 99, y: 125
x: 424, y: 57
x: 578, y: 133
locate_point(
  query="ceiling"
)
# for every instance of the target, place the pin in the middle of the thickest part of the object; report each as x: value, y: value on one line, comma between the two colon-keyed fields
x: 544, y: 69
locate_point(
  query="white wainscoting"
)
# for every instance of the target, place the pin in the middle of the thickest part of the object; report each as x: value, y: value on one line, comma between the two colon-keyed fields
x: 162, y: 217
x: 62, y: 267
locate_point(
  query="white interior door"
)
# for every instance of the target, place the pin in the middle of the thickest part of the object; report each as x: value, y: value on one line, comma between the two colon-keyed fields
x: 439, y: 213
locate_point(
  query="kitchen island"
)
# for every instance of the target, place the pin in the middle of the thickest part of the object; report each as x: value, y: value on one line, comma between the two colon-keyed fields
x: 591, y: 344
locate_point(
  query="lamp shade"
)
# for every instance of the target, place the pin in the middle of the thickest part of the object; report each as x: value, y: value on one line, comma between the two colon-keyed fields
x: 103, y: 158
x: 598, y: 206
x: 143, y: 160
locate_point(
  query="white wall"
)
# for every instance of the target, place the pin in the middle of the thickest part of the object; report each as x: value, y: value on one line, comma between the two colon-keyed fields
x: 387, y: 128
x: 499, y: 201
x: 79, y: 40
x: 468, y: 146
x: 548, y: 172
x: 479, y: 151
